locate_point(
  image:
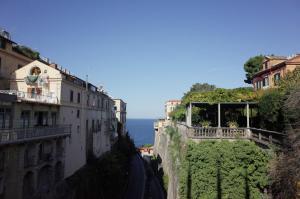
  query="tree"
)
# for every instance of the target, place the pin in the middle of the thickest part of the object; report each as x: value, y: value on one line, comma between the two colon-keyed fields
x: 252, y: 66
x: 198, y: 87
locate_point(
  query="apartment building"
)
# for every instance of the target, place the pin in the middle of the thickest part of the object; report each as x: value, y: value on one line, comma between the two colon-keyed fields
x: 51, y: 123
x: 88, y: 111
x: 273, y: 69
x: 170, y: 106
x: 120, y: 108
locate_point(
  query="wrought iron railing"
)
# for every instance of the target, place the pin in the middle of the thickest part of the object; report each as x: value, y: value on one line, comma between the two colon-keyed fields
x: 32, y: 96
x: 26, y: 134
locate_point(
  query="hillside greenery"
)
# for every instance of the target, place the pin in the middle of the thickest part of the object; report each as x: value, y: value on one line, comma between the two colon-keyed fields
x: 273, y: 113
x: 223, y: 170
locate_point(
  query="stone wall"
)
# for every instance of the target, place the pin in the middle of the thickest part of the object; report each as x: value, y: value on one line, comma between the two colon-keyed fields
x: 161, y: 150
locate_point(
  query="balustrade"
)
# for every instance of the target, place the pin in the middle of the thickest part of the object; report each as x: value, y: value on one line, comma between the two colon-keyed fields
x: 24, y: 134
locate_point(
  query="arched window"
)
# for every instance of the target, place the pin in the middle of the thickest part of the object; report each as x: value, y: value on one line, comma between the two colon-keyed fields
x: 45, y: 180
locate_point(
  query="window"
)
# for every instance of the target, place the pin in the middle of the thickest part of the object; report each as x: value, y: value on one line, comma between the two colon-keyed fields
x: 19, y: 66
x: 78, y: 98
x: 53, y: 118
x: 93, y: 125
x: 266, y: 81
x: 2, y: 159
x: 71, y: 95
x: 276, y: 78
x: 88, y: 100
x: 5, y: 118
x: 78, y: 113
x: 0, y: 64
x: 2, y: 43
x: 25, y: 118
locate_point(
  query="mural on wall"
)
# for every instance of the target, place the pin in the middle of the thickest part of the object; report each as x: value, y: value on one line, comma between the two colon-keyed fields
x: 35, y: 78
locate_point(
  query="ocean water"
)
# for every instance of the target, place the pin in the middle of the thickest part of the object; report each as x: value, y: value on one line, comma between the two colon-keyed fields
x: 141, y: 131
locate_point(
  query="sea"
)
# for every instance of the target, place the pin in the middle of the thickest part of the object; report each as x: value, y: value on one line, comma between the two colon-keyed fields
x: 141, y: 131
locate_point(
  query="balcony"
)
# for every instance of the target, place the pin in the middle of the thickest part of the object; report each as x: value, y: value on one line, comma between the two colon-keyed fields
x: 17, y: 135
x: 32, y: 97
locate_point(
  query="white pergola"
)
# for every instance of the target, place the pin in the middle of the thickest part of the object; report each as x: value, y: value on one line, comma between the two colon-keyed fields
x: 190, y: 105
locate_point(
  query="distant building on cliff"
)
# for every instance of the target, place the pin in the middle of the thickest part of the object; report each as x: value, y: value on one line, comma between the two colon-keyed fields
x: 120, y: 108
x: 273, y: 69
x: 170, y: 105
x: 51, y: 123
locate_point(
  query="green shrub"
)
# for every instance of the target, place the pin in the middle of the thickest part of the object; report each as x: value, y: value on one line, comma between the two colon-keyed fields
x: 223, y: 169
x: 270, y: 110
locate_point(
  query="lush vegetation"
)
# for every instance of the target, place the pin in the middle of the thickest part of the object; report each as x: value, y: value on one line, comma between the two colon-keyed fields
x: 285, y: 170
x: 102, y: 177
x: 252, y: 66
x: 222, y: 95
x: 223, y: 170
x: 215, y: 95
x: 273, y: 113
x: 26, y: 51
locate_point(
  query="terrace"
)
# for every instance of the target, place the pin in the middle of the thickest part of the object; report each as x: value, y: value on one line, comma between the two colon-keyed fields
x: 20, y: 135
x: 32, y: 97
x: 229, y: 121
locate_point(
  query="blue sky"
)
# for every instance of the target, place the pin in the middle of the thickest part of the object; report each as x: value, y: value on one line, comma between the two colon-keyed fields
x: 149, y: 51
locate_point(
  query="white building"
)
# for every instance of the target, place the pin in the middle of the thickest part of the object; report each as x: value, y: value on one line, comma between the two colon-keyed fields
x: 170, y: 106
x: 120, y: 108
x: 89, y: 111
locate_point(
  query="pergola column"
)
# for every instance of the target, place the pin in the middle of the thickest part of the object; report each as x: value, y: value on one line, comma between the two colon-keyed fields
x: 189, y: 115
x: 219, y: 115
x: 248, y: 118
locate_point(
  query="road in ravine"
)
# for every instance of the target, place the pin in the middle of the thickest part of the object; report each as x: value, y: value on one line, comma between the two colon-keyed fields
x: 137, y: 178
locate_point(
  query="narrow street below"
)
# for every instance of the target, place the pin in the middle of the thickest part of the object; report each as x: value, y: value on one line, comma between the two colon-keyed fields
x: 137, y: 178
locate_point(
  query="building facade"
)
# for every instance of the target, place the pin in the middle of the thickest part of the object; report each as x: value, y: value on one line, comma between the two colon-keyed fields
x: 120, y: 108
x: 89, y: 112
x: 51, y: 122
x: 32, y: 147
x: 170, y: 106
x: 273, y: 69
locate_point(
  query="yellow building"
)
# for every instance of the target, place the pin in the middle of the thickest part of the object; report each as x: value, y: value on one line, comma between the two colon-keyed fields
x: 273, y: 69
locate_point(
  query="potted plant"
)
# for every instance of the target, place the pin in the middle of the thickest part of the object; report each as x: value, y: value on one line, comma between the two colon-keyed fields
x: 205, y: 123
x: 232, y: 124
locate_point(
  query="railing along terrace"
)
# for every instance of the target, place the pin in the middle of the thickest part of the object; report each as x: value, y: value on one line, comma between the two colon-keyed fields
x: 13, y: 135
x: 267, y: 137
x: 34, y: 97
x: 217, y: 133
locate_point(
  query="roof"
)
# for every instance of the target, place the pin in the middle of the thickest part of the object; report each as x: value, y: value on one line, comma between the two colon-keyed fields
x: 276, y: 66
x: 174, y: 100
x: 276, y: 57
x: 10, y: 41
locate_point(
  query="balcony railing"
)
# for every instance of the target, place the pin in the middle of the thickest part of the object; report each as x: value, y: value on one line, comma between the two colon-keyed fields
x: 14, y: 135
x: 217, y: 133
x: 32, y: 97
